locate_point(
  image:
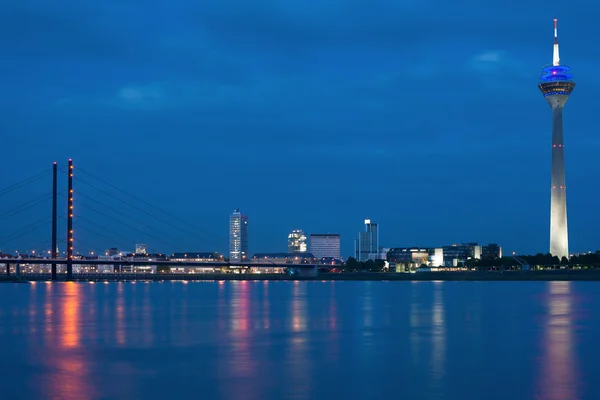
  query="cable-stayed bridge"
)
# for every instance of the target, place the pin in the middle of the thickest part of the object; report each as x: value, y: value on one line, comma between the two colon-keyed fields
x: 75, y: 216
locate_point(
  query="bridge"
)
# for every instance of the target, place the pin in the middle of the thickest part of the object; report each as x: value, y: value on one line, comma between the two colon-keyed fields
x: 133, y: 214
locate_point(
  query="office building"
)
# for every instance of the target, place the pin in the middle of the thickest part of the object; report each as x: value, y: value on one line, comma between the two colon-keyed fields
x: 492, y: 250
x: 297, y: 241
x: 366, y: 246
x: 460, y: 253
x: 556, y: 86
x: 408, y: 259
x: 325, y: 245
x: 238, y: 236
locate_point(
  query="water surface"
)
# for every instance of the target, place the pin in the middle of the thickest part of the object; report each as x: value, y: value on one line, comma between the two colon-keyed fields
x: 300, y: 340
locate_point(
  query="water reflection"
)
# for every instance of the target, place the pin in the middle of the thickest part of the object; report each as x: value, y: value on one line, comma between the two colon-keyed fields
x: 266, y: 306
x: 414, y: 323
x: 120, y: 315
x: 68, y: 374
x: 69, y: 326
x: 297, y: 357
x: 298, y: 307
x: 557, y: 375
x: 438, y: 337
x: 334, y: 348
x: 282, y: 340
x: 147, y: 314
x: 428, y: 332
x: 240, y: 358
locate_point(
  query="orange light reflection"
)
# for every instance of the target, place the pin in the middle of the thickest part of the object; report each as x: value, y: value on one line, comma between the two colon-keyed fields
x: 69, y: 335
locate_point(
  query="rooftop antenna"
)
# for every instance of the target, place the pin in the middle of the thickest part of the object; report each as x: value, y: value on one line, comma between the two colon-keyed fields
x: 555, y: 58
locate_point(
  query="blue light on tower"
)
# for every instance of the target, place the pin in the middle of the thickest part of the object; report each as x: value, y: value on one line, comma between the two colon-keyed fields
x: 557, y: 80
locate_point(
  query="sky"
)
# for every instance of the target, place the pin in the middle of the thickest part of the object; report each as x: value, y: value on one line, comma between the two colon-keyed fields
x: 423, y: 116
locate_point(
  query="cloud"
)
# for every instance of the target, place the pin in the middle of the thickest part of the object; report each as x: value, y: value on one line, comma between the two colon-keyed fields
x: 149, y: 96
x: 489, y: 57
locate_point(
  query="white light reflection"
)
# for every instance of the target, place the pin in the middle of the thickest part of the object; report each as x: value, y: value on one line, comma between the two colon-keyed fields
x: 298, y: 307
x: 147, y: 313
x: 120, y: 315
x: 438, y: 337
x: 266, y: 306
x: 297, y: 360
x: 241, y: 361
x: 557, y: 375
x: 415, y: 324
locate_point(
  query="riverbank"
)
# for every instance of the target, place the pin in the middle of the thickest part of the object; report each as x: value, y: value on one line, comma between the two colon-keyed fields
x: 552, y: 275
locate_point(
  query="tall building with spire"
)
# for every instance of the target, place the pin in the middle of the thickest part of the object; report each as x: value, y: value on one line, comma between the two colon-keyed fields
x: 238, y: 236
x: 556, y: 86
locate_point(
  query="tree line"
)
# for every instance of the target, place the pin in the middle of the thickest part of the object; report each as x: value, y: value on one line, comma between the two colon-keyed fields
x: 583, y: 260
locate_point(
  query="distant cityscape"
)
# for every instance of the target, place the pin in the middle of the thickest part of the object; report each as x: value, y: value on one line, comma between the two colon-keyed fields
x: 556, y: 85
x: 302, y: 248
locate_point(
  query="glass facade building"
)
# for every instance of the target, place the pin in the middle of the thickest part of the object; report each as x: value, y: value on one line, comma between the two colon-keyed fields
x: 366, y: 246
x: 238, y: 236
x: 297, y: 241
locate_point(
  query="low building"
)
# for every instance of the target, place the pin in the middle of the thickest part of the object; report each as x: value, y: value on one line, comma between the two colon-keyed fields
x: 408, y: 259
x: 199, y: 257
x: 146, y: 269
x: 280, y: 258
x: 330, y: 261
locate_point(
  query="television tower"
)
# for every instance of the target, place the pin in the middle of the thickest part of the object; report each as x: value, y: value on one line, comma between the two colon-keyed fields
x: 556, y: 86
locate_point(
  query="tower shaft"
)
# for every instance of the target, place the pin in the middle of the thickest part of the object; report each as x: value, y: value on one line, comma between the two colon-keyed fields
x: 559, y: 238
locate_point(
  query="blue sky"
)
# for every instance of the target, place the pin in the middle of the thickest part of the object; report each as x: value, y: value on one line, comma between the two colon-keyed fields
x: 421, y: 115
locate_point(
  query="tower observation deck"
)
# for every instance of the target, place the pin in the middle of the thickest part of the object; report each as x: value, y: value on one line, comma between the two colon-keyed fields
x: 557, y: 85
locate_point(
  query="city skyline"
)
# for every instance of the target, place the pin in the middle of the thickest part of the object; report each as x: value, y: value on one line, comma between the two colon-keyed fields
x: 189, y: 125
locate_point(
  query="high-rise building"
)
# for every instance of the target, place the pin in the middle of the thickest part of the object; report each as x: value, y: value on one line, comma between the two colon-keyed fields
x: 556, y: 86
x: 141, y: 248
x: 238, y: 236
x: 366, y: 246
x: 297, y: 241
x: 325, y: 245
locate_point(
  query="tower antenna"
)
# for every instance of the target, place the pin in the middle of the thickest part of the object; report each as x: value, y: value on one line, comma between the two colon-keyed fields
x: 555, y: 58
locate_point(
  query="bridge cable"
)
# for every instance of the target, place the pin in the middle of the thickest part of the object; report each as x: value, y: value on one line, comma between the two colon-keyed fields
x: 149, y: 214
x: 34, y: 226
x: 24, y: 182
x: 130, y: 217
x: 25, y: 206
x: 112, y: 239
x: 154, y: 207
x: 125, y: 224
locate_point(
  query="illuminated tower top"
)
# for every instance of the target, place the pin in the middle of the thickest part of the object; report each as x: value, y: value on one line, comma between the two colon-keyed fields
x: 556, y: 79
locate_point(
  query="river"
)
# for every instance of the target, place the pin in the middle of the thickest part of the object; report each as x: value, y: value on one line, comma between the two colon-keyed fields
x: 300, y: 340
